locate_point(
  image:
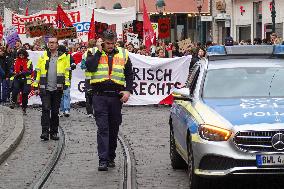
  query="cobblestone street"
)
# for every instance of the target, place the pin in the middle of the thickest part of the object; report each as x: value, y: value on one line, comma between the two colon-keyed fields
x: 26, y: 163
x: 77, y: 167
x: 145, y: 129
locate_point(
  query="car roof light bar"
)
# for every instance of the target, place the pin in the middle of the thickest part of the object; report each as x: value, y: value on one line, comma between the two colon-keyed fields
x: 216, y: 50
x: 278, y: 50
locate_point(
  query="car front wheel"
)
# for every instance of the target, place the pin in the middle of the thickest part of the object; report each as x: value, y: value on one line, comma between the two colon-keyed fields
x: 194, y: 180
x: 176, y: 160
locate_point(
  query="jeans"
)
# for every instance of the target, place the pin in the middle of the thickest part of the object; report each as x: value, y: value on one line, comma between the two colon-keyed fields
x: 65, y: 101
x: 108, y: 119
x: 50, y: 110
x: 4, y: 90
x: 89, y: 102
x: 20, y: 85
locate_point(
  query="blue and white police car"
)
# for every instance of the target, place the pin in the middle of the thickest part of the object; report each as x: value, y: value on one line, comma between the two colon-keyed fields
x: 230, y: 118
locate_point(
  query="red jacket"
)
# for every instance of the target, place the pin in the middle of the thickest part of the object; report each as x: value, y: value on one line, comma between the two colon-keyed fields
x: 21, y: 64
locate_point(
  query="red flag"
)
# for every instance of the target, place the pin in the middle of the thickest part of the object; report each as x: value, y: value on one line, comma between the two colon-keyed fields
x: 92, y: 30
x: 164, y: 28
x: 27, y: 11
x: 1, y: 29
x: 149, y: 34
x: 62, y: 18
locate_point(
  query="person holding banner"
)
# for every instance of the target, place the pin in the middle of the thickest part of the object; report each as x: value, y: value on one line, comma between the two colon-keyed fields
x: 88, y: 89
x: 112, y: 83
x: 51, y: 78
x: 21, y: 77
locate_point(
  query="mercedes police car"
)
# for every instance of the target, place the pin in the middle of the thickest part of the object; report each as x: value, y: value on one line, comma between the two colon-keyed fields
x: 230, y: 118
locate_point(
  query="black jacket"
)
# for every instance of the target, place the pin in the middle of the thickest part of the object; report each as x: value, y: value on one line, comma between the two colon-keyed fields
x: 92, y: 63
x: 5, y: 67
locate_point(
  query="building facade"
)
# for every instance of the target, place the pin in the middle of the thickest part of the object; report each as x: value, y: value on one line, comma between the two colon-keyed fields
x: 222, y: 13
x: 183, y: 14
x: 252, y: 19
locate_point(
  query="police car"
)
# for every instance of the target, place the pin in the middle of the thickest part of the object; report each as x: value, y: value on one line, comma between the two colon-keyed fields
x: 230, y: 118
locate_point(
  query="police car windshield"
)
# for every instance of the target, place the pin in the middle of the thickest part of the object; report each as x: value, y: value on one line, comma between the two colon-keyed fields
x: 244, y: 82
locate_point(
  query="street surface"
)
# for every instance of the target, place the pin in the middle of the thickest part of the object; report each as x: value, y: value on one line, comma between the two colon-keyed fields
x: 26, y: 163
x: 145, y: 129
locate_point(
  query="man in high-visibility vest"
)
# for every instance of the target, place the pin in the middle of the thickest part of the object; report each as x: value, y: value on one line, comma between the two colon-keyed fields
x: 112, y: 83
x: 51, y: 78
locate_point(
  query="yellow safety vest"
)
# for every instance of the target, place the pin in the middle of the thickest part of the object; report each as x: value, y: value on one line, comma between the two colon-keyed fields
x: 28, y: 77
x: 118, y: 65
x: 63, y: 71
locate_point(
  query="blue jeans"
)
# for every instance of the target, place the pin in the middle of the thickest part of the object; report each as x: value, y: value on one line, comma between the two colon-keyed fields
x: 4, y: 90
x: 65, y: 101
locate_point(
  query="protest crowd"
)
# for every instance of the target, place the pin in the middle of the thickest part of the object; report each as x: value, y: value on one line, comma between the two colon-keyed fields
x: 163, y: 49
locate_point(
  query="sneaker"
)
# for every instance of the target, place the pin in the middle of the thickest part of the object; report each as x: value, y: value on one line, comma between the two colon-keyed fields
x: 44, y: 136
x: 111, y: 164
x: 103, y: 166
x: 66, y: 113
x: 61, y: 114
x: 54, y: 136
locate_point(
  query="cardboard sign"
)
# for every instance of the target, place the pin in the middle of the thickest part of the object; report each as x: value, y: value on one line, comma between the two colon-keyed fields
x: 183, y: 45
x: 39, y: 30
x: 65, y: 33
x: 133, y: 38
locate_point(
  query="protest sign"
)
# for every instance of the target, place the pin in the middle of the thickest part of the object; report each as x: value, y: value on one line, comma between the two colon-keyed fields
x: 133, y: 38
x: 184, y: 44
x: 11, y: 36
x: 39, y: 30
x: 65, y: 33
x: 127, y: 28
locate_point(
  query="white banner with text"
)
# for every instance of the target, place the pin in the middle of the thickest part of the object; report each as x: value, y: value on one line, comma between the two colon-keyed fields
x: 154, y: 78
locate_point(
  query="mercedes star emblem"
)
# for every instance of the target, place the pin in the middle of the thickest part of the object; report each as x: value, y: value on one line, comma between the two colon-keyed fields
x: 278, y: 141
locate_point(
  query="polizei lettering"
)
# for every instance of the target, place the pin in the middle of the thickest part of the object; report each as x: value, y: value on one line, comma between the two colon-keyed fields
x: 153, y: 81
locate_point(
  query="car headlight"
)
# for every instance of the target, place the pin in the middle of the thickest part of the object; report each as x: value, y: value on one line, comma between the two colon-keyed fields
x: 213, y: 133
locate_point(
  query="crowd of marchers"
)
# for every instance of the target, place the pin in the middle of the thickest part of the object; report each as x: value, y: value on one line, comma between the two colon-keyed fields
x: 16, y: 70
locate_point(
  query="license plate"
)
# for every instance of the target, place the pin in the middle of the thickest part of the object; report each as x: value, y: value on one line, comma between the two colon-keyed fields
x: 269, y: 160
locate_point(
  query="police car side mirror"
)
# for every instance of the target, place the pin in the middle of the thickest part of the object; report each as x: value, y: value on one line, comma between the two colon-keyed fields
x: 182, y: 94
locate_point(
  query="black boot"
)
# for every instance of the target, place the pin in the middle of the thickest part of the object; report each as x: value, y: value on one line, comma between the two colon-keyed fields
x: 12, y: 105
x: 44, y: 136
x: 24, y: 111
x: 54, y: 136
x: 111, y: 164
x: 103, y: 166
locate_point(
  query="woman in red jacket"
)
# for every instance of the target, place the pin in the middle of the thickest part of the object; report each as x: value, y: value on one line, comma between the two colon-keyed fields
x: 21, y: 71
